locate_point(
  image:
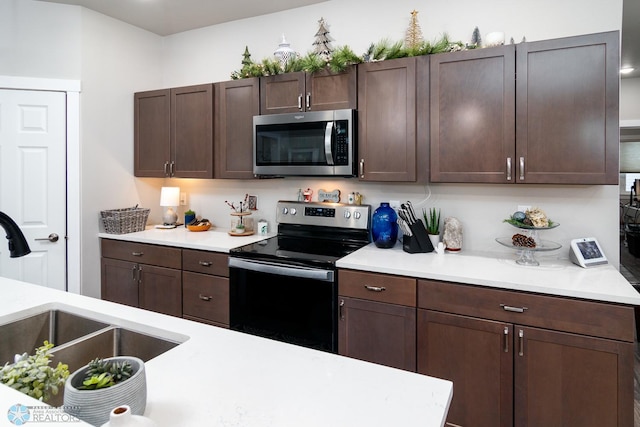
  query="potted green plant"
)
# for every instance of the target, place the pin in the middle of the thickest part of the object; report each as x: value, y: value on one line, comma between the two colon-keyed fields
x: 432, y: 224
x: 189, y: 216
x: 32, y: 375
x: 92, y: 391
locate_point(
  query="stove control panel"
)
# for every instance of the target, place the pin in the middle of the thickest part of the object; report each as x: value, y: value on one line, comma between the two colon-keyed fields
x: 324, y: 214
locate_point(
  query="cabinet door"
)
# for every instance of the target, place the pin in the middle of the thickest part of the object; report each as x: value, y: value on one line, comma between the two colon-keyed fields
x: 152, y: 133
x: 477, y: 355
x: 565, y: 379
x: 282, y: 93
x: 119, y: 281
x: 326, y: 90
x: 387, y: 138
x: 206, y: 297
x: 160, y: 289
x: 236, y: 102
x: 192, y: 131
x: 378, y: 332
x: 473, y: 116
x: 567, y: 110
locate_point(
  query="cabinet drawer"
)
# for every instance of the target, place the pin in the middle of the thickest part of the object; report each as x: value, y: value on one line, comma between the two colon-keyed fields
x: 162, y: 256
x: 205, y: 262
x: 549, y: 312
x: 205, y: 297
x: 377, y: 287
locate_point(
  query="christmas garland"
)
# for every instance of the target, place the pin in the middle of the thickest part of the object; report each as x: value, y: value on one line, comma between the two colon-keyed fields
x: 342, y: 57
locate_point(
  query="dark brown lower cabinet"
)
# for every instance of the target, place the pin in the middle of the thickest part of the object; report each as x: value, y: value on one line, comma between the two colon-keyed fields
x: 160, y: 289
x: 378, y: 332
x: 206, y: 298
x: 471, y: 353
x: 510, y: 375
x: 564, y: 379
x: 119, y: 281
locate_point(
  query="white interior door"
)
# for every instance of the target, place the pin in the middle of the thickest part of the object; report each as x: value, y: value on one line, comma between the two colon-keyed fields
x: 33, y: 183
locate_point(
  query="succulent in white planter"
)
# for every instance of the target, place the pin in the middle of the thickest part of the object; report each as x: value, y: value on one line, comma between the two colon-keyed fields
x: 93, y: 391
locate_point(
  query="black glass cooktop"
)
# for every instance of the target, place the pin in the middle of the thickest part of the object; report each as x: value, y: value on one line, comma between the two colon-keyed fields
x: 318, y: 247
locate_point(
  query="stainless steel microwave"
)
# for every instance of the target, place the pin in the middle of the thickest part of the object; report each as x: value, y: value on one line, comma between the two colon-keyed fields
x: 318, y: 143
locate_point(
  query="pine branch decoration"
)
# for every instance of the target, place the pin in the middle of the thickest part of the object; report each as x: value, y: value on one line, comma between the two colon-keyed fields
x: 414, y: 38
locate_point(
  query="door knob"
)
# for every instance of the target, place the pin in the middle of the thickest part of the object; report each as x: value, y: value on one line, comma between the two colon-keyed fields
x: 53, y: 237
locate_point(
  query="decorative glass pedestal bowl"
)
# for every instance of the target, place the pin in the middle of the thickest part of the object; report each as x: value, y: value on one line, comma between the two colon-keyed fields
x: 527, y: 254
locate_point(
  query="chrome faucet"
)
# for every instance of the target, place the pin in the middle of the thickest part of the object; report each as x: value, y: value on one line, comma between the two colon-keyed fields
x: 17, y: 243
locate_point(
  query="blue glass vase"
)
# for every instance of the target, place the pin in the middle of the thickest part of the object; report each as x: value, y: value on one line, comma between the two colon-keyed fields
x: 384, y: 226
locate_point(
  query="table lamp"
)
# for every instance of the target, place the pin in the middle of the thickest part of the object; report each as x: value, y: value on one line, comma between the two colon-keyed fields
x: 170, y: 198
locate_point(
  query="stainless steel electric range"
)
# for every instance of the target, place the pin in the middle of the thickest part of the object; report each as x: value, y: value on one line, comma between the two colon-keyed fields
x: 285, y: 287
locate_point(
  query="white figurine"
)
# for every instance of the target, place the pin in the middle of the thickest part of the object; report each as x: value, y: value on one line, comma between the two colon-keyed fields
x: 452, y: 237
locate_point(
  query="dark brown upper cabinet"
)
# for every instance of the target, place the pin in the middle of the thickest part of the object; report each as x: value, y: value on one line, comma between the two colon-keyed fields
x: 300, y: 91
x: 173, y: 132
x: 236, y: 102
x: 393, y: 120
x: 542, y: 112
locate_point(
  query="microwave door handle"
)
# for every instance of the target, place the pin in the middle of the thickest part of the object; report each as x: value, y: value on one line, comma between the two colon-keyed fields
x: 328, y: 132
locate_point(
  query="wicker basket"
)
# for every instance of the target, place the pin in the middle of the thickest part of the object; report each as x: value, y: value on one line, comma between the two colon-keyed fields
x: 122, y: 221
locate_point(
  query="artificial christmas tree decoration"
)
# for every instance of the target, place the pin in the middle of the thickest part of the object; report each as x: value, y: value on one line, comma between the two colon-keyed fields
x: 414, y: 37
x: 476, y: 41
x: 322, y: 45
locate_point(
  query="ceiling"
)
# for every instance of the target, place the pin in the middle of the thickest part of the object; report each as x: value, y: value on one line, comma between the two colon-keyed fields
x: 166, y: 17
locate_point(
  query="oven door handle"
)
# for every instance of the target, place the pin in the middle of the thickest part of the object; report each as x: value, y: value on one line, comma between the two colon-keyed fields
x: 283, y: 269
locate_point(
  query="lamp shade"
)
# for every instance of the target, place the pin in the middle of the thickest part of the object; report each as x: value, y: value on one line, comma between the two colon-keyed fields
x: 170, y: 196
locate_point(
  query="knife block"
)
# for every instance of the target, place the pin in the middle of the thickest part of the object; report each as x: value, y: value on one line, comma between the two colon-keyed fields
x: 410, y: 244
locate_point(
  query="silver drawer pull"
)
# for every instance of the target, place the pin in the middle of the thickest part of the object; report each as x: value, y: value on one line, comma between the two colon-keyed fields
x: 137, y: 253
x: 375, y: 288
x: 513, y: 309
x: 204, y: 297
x: 205, y: 263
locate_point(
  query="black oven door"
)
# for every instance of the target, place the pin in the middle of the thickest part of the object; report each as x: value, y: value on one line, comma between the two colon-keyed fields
x: 284, y: 302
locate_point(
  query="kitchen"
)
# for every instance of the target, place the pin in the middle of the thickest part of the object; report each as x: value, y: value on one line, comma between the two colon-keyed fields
x: 113, y: 60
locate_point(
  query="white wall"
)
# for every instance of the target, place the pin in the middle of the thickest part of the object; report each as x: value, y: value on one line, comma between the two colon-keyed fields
x: 630, y: 99
x: 39, y: 39
x: 117, y: 60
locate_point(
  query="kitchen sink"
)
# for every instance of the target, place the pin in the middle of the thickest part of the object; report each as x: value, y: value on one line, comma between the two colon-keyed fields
x: 110, y: 342
x: 77, y: 340
x: 56, y: 326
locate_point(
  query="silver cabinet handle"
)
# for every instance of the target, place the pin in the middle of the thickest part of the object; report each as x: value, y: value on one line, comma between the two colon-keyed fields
x: 53, y: 237
x: 172, y: 167
x: 521, y: 342
x: 133, y: 272
x: 308, y: 100
x: 340, y: 312
x: 300, y: 102
x: 205, y: 263
x: 508, y: 168
x: 375, y: 288
x: 166, y: 168
x: 204, y: 297
x: 506, y: 339
x: 361, y: 168
x: 521, y: 168
x: 137, y: 253
x: 513, y: 309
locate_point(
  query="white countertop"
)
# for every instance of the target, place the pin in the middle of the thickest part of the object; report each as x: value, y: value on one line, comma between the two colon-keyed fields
x: 554, y: 275
x: 211, y: 240
x: 219, y: 377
